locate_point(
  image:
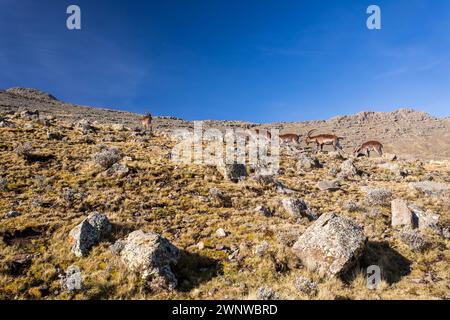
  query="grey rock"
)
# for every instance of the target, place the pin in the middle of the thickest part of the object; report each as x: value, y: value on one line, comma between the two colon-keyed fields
x: 12, y: 214
x: 378, y: 196
x: 261, y: 249
x: 331, y: 245
x: 307, y: 163
x: 348, y: 169
x: 264, y: 211
x: 218, y: 198
x: 107, y: 157
x: 266, y: 293
x: 88, y: 233
x: 328, y: 185
x: 414, y: 240
x: 401, y: 215
x: 297, y: 208
x: 306, y: 286
x: 72, y: 280
x: 431, y: 188
x: 151, y: 255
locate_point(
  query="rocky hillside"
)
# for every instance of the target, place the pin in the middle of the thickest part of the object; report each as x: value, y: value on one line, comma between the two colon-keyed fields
x: 93, y: 207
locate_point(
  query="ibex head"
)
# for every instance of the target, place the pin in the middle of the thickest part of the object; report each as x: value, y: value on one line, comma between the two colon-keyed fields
x: 308, y: 136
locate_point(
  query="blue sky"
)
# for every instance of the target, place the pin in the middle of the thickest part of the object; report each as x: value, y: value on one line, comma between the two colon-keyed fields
x: 255, y: 60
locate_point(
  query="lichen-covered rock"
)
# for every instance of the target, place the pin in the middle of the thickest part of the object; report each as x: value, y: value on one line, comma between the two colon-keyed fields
x: 331, y: 245
x: 378, y: 196
x: 414, y: 240
x: 88, y: 233
x: 72, y: 280
x: 304, y: 285
x: 424, y: 220
x: 266, y: 293
x: 151, y: 255
x: 297, y: 208
x: 307, y: 163
x: 431, y: 188
x: 348, y: 169
x: 233, y: 172
x: 401, y: 215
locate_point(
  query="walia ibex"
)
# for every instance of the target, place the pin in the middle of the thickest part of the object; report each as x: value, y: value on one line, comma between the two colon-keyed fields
x: 147, y: 121
x: 324, y: 139
x: 290, y: 137
x: 366, y: 147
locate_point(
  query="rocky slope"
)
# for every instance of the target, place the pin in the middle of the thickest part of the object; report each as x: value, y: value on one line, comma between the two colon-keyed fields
x: 101, y: 211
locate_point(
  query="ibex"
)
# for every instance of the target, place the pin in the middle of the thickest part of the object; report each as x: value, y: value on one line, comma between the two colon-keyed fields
x: 365, y: 148
x: 323, y: 139
x: 147, y: 121
x: 265, y: 133
x: 290, y: 137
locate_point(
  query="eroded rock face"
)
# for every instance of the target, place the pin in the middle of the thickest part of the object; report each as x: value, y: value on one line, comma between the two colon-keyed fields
x: 151, y: 255
x: 88, y: 233
x: 331, y: 245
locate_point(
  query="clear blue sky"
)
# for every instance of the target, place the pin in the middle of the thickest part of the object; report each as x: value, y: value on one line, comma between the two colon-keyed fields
x: 256, y: 60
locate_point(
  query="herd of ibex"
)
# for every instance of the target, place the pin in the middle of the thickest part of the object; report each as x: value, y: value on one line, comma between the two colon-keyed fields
x: 320, y: 140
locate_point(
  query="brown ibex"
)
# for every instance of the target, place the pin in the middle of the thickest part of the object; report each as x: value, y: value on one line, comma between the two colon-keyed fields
x: 290, y: 137
x: 365, y: 148
x: 147, y: 121
x: 324, y: 139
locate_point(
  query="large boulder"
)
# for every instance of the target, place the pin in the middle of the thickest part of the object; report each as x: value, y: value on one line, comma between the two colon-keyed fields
x: 151, y: 255
x: 331, y: 245
x: 88, y: 233
x: 348, y: 169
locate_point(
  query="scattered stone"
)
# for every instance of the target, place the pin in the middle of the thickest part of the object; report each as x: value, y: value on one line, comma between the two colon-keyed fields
x: 348, y: 169
x: 54, y: 136
x: 431, y: 188
x: 261, y: 249
x: 331, y: 246
x: 84, y: 126
x: 298, y: 208
x: 265, y: 179
x: 219, y: 199
x: 88, y: 233
x: 350, y: 206
x: 394, y: 168
x: 118, y: 170
x: 220, y: 233
x: 107, y: 157
x: 424, y: 220
x: 266, y: 293
x: 24, y: 150
x: 378, y: 196
x: 30, y: 115
x: 337, y: 155
x: 306, y: 286
x: 264, y: 211
x: 200, y: 245
x: 307, y: 163
x: 12, y: 214
x: 118, y: 127
x: 280, y: 188
x: 151, y: 255
x: 401, y: 215
x: 72, y: 280
x: 328, y: 185
x: 414, y: 240
x: 233, y: 172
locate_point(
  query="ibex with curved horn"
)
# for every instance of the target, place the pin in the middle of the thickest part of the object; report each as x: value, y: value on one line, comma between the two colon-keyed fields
x: 324, y: 139
x: 365, y: 148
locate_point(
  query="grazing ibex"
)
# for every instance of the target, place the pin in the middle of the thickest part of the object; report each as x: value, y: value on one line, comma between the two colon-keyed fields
x: 147, y: 121
x: 365, y: 148
x: 290, y: 137
x: 323, y: 139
